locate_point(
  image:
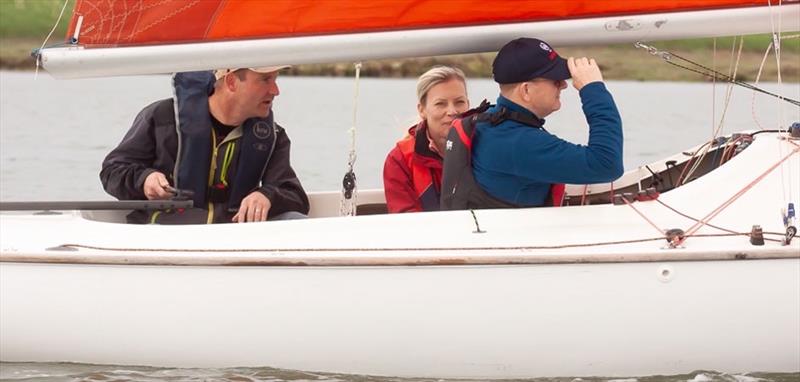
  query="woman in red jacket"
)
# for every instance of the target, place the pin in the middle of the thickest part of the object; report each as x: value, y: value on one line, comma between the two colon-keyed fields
x: 412, y: 173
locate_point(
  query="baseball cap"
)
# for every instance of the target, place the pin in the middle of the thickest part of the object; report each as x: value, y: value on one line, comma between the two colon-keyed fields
x: 525, y: 58
x: 219, y: 73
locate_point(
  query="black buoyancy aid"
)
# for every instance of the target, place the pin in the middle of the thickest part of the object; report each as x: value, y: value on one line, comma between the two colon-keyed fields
x: 460, y: 191
x: 195, y: 145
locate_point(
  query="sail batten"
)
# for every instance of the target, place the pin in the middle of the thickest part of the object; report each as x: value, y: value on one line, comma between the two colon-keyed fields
x: 79, y: 61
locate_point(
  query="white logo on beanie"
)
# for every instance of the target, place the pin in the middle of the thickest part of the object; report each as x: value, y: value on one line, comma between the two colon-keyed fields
x: 545, y: 47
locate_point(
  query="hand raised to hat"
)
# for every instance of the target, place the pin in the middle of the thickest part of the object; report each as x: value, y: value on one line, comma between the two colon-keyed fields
x: 254, y: 208
x: 584, y: 71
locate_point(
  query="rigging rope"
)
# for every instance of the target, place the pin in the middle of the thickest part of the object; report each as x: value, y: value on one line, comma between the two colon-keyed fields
x: 776, y: 44
x: 679, y: 237
x: 349, y: 201
x: 38, y: 61
x: 694, y: 162
x: 760, y: 70
x: 394, y: 249
x: 630, y: 204
x: 708, y: 72
x: 712, y: 73
x: 788, y: 220
x: 700, y: 223
x: 716, y: 226
x: 666, y: 232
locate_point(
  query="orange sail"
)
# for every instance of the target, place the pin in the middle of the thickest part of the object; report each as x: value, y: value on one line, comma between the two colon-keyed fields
x: 128, y: 37
x: 133, y: 22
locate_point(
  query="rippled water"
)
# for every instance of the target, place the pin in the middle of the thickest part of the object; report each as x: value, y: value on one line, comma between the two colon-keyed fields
x: 54, y: 134
x: 63, y: 372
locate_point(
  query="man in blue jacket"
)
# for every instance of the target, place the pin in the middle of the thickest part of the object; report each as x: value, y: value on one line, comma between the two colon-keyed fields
x: 514, y: 159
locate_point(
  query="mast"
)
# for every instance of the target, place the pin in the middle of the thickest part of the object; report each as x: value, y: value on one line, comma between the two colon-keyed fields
x: 78, y: 61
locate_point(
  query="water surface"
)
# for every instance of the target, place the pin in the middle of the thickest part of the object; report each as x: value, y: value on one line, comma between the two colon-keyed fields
x: 55, y: 133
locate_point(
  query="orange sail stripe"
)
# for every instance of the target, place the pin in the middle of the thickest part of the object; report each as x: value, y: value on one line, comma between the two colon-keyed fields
x: 133, y: 22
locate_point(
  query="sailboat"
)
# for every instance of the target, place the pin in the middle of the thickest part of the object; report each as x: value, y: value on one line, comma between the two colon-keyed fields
x: 659, y: 272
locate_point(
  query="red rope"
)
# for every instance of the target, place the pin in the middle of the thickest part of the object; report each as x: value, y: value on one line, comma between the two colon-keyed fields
x: 730, y: 148
x: 611, y: 195
x: 689, y: 164
x: 643, y: 217
x: 583, y: 197
x: 733, y: 198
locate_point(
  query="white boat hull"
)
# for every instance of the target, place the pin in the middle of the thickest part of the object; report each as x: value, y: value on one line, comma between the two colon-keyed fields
x: 437, y: 321
x: 542, y: 292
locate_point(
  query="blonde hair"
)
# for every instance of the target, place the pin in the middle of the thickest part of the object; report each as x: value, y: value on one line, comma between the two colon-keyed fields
x: 435, y: 76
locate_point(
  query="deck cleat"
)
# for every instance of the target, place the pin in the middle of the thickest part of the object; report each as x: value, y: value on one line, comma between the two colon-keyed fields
x: 675, y: 237
x: 647, y: 194
x: 757, y: 235
x: 624, y: 198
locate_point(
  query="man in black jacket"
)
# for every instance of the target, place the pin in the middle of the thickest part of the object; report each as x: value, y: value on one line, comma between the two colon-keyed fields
x: 225, y: 148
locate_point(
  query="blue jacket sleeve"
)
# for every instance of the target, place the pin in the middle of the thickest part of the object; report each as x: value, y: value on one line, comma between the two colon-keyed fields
x: 546, y: 158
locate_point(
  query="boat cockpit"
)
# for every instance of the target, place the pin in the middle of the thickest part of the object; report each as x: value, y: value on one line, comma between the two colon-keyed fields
x: 643, y: 183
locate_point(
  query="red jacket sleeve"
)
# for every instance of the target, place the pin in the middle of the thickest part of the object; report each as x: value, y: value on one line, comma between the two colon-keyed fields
x: 398, y: 185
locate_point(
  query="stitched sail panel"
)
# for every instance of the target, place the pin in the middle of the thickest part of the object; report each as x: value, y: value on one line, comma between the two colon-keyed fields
x: 135, y: 22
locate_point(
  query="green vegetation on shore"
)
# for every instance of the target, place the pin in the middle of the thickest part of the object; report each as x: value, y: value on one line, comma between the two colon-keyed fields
x: 25, y: 23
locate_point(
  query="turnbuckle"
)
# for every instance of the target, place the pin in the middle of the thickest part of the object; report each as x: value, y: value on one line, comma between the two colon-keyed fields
x: 652, y: 50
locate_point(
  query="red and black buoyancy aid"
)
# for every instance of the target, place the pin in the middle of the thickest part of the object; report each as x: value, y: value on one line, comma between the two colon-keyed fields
x: 459, y: 188
x: 426, y: 170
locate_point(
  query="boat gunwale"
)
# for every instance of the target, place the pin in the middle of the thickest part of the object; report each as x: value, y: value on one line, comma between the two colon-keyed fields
x: 318, y: 257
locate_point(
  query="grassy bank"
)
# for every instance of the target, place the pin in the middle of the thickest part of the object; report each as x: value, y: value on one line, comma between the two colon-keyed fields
x: 25, y: 23
x: 618, y: 62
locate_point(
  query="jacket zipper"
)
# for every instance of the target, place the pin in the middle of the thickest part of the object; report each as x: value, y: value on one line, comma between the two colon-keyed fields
x: 212, y: 170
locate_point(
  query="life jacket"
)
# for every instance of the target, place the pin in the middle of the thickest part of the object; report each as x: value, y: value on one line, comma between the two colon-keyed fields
x: 196, y: 146
x: 460, y: 190
x: 427, y: 178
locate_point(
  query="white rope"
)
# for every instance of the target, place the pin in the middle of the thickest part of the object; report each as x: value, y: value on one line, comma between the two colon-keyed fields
x: 713, y: 88
x: 38, y: 62
x: 776, y: 45
x: 732, y: 70
x: 348, y: 205
x: 758, y: 78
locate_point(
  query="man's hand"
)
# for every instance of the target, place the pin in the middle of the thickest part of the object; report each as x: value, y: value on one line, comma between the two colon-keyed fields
x: 584, y: 71
x: 254, y: 208
x: 156, y: 187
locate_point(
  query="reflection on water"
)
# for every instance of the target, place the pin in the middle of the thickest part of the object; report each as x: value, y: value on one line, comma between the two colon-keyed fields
x: 54, y: 134
x: 62, y: 372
